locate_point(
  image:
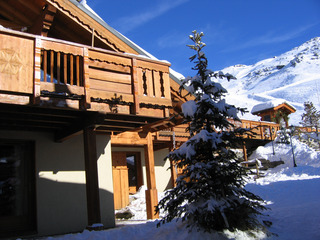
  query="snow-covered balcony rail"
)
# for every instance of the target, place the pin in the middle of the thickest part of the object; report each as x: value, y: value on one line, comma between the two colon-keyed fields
x: 262, y: 130
x: 45, y: 70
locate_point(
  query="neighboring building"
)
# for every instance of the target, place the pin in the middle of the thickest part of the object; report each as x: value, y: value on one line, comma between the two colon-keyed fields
x: 85, y: 119
x: 274, y: 111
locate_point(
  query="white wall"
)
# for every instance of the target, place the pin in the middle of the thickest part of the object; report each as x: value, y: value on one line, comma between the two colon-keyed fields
x: 60, y: 182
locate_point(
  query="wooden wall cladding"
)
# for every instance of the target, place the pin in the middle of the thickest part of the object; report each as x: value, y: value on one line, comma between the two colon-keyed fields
x: 16, y: 64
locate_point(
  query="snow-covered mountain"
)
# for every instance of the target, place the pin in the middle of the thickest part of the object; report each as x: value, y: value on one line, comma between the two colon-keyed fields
x: 293, y: 76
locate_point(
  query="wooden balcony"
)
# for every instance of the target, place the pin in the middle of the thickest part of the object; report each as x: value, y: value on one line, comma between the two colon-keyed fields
x: 265, y: 131
x: 50, y: 73
x: 90, y: 78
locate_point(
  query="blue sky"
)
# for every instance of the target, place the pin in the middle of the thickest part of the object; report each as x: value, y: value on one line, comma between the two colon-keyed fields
x: 236, y: 31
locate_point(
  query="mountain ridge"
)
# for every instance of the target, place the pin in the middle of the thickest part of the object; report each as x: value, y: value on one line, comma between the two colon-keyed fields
x: 293, y: 76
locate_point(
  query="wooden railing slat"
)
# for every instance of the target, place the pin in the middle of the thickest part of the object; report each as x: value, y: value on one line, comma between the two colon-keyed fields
x: 51, y: 65
x: 71, y: 70
x: 65, y: 68
x: 58, y: 67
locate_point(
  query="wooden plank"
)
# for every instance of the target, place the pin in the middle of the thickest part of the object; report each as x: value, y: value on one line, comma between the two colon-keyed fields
x: 77, y: 70
x: 62, y: 88
x: 140, y: 81
x: 149, y: 76
x: 128, y: 138
x: 110, y: 86
x: 166, y: 83
x: 116, y: 189
x: 110, y: 66
x: 136, y: 86
x: 71, y: 70
x: 62, y: 47
x: 65, y: 68
x: 157, y: 85
x: 120, y: 180
x: 109, y: 95
x: 155, y: 101
x: 86, y: 84
x: 160, y: 66
x: 110, y: 76
x: 58, y: 67
x: 92, y: 182
x: 51, y: 54
x: 109, y: 58
x: 45, y: 65
x: 37, y: 72
x: 17, y: 56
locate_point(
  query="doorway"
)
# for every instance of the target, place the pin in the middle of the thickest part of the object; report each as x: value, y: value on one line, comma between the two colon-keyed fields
x: 127, y: 176
x: 17, y: 187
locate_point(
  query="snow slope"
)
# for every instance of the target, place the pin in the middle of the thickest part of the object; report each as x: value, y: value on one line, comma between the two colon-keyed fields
x: 293, y: 76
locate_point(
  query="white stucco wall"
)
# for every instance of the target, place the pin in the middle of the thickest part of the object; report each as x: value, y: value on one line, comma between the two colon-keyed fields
x: 163, y: 173
x: 60, y: 182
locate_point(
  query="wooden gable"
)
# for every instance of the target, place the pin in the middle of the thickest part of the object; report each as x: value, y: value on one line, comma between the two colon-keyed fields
x: 61, y: 19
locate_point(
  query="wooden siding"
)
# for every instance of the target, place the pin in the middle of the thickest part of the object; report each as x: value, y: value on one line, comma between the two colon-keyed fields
x: 89, y: 78
x: 16, y: 64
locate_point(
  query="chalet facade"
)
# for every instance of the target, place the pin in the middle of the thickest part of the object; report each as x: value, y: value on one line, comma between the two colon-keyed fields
x: 274, y: 111
x: 85, y: 119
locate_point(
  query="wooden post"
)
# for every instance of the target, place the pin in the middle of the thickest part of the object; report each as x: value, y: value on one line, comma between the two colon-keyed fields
x: 245, y: 157
x: 92, y: 183
x: 92, y: 38
x: 173, y: 167
x: 151, y: 192
x: 87, y: 99
x: 135, y: 87
x: 37, y: 72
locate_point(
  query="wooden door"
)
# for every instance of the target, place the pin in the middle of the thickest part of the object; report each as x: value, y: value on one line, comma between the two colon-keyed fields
x: 17, y: 187
x: 134, y: 171
x: 120, y: 180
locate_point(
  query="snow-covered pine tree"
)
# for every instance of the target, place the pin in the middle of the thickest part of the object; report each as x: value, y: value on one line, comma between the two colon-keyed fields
x: 210, y: 194
x: 311, y: 116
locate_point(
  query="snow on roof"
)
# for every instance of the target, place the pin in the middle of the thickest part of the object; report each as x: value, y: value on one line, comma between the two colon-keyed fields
x: 85, y: 7
x: 268, y: 105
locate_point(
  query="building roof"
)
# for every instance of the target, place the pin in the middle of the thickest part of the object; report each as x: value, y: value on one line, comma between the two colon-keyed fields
x: 82, y: 4
x: 272, y: 105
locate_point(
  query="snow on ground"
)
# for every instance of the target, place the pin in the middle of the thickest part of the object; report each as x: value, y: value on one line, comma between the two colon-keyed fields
x: 292, y: 195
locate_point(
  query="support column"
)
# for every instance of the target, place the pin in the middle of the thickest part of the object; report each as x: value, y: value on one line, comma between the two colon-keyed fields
x: 92, y: 183
x: 245, y: 157
x: 173, y: 166
x: 151, y: 192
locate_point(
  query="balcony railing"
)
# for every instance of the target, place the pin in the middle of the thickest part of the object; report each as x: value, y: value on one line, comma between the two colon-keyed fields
x: 49, y: 71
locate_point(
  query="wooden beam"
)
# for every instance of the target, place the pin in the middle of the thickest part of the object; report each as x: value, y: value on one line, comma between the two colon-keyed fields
x: 245, y: 156
x: 37, y: 73
x: 43, y: 23
x: 92, y: 183
x: 128, y: 138
x: 151, y: 192
x: 87, y: 97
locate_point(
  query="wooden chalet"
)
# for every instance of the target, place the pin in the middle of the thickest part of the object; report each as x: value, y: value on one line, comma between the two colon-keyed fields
x: 81, y: 108
x: 274, y: 112
x: 86, y: 118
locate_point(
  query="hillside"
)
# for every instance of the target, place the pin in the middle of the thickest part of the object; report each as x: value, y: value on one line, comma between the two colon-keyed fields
x: 293, y: 76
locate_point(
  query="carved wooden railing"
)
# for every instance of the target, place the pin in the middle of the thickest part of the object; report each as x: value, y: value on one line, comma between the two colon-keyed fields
x: 261, y: 130
x: 86, y: 77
